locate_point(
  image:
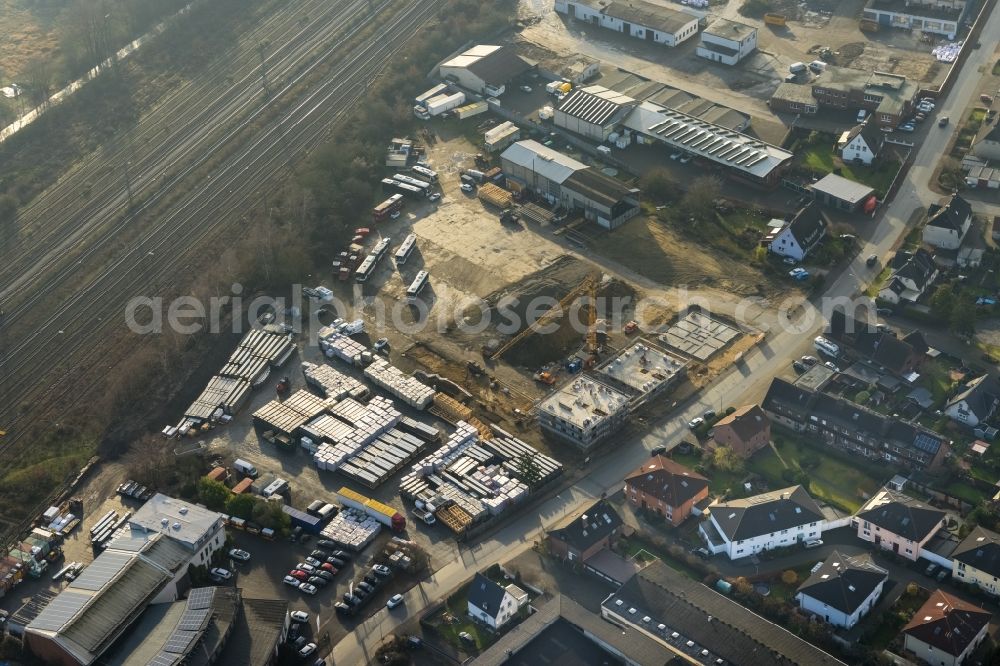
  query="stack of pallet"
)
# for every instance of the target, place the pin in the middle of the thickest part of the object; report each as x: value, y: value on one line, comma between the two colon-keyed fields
x: 494, y: 195
x: 453, y: 411
x: 455, y: 518
x: 331, y: 383
x: 408, y: 389
x: 336, y: 345
x: 352, y: 529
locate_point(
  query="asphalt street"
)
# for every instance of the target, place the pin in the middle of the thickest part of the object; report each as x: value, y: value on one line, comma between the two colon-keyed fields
x: 744, y: 383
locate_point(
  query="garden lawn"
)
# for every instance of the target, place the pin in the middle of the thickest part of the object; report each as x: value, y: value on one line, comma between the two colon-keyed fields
x: 822, y: 157
x: 830, y: 478
x: 458, y: 606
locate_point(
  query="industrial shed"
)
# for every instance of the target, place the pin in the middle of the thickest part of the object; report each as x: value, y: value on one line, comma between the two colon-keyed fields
x: 593, y: 112
x: 602, y: 199
x: 636, y: 18
x: 485, y: 69
x: 843, y: 193
x: 539, y: 167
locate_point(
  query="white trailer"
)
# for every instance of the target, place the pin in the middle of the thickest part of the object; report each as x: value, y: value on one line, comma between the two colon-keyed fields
x: 443, y: 103
x: 470, y: 110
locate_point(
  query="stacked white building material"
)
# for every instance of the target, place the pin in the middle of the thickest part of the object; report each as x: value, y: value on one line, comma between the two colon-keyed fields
x: 338, y: 345
x: 408, y: 389
x: 352, y: 529
x: 947, y: 52
x: 331, y: 382
x: 352, y: 427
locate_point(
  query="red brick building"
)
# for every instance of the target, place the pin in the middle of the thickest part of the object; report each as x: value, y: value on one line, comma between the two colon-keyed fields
x: 744, y: 431
x: 666, y: 487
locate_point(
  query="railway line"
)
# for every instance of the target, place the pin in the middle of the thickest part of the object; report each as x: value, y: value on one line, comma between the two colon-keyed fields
x: 167, y: 242
x: 167, y: 137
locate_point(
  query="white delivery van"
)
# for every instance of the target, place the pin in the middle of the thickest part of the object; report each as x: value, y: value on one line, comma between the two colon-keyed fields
x: 825, y: 346
x: 797, y: 67
x: 245, y: 468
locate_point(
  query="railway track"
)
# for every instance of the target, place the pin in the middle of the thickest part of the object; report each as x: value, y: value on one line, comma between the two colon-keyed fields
x: 209, y: 208
x: 167, y: 138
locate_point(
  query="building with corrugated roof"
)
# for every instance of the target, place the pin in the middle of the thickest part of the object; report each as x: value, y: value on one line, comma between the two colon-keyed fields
x: 643, y: 20
x: 593, y: 112
x: 485, y: 69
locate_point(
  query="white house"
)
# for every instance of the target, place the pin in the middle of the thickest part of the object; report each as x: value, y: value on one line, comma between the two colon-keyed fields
x: 775, y: 519
x: 898, y: 523
x: 727, y: 42
x: 988, y: 147
x: 636, y: 18
x: 493, y: 605
x: 976, y: 403
x: 946, y: 630
x: 843, y: 589
x: 947, y: 225
x: 912, y: 274
x: 797, y: 238
x: 861, y: 144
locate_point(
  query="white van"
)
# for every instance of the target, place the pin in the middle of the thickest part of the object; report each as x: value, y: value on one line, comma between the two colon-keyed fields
x: 825, y: 346
x: 245, y: 468
x: 277, y: 487
x: 797, y: 67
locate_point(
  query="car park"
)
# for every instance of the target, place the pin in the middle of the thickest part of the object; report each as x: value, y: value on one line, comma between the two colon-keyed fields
x: 337, y: 562
x: 291, y: 580
x: 299, y: 574
x: 324, y: 574
x: 221, y: 574
x: 307, y: 649
x: 241, y: 555
x: 299, y: 616
x: 305, y: 566
x: 318, y: 555
x: 394, y: 600
x: 313, y: 562
x: 382, y: 570
x: 317, y: 581
x: 326, y: 566
x: 307, y: 588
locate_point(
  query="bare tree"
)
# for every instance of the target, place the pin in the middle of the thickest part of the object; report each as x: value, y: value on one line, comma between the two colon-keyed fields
x: 701, y: 196
x: 38, y: 77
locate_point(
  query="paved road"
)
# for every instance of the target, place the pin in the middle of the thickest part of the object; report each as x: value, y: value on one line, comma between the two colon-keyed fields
x: 743, y: 383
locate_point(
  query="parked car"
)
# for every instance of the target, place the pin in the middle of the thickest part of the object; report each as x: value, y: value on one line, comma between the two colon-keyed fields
x: 371, y: 578
x: 906, y: 127
x: 436, y: 196
x: 240, y: 555
x: 394, y: 601
x: 317, y: 581
x: 832, y: 366
x: 313, y: 562
x: 324, y: 574
x: 702, y: 553
x: 299, y: 616
x: 790, y: 261
x: 942, y: 575
x: 326, y: 544
x: 695, y: 422
x: 709, y: 414
x: 329, y: 568
x: 466, y: 636
x: 526, y: 89
x: 883, y: 312
x: 299, y: 575
x: 943, y: 121
x: 305, y: 566
x: 337, y: 562
x: 382, y: 570
x: 812, y: 543
x: 809, y: 360
x: 676, y: 156
x: 291, y: 580
x: 221, y: 574
x: 307, y: 588
x: 871, y: 260
x: 931, y: 568
x: 367, y: 587
x: 341, y: 555
x: 349, y: 598
x: 466, y: 187
x: 295, y: 534
x: 799, y: 367
x: 686, y: 158
x: 318, y: 555
x: 380, y: 344
x: 343, y: 609
x: 658, y: 451
x: 307, y: 649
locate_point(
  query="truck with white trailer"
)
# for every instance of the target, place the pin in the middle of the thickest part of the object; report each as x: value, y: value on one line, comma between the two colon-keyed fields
x: 438, y: 105
x: 382, y: 513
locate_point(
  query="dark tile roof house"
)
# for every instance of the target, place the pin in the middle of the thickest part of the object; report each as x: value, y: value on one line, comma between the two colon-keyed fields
x: 916, y: 341
x: 947, y: 623
x: 981, y: 396
x: 951, y: 216
x: 981, y: 550
x: 917, y: 267
x: 883, y: 348
x: 747, y: 421
x: 666, y: 480
x: 766, y: 513
x: 486, y: 595
x: 595, y: 525
x: 700, y: 614
x: 902, y: 515
x: 844, y: 582
x: 809, y: 226
x: 873, y: 136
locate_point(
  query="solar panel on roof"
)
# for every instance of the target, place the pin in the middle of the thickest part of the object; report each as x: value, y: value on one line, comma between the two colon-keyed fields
x: 927, y: 443
x: 200, y: 598
x: 194, y: 619
x: 60, y: 610
x: 101, y: 571
x: 180, y: 642
x: 164, y: 659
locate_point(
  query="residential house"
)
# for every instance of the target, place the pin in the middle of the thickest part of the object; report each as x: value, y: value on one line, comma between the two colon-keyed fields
x: 856, y: 430
x: 801, y: 235
x: 492, y: 604
x: 947, y: 225
x: 861, y: 144
x: 843, y: 589
x: 660, y: 600
x: 976, y: 561
x: 988, y: 146
x: 899, y: 356
x: 727, y: 42
x: 667, y: 488
x: 745, y: 431
x: 771, y: 520
x: 976, y: 403
x: 585, y: 536
x: 642, y: 20
x: 946, y: 630
x: 894, y: 521
x: 912, y: 275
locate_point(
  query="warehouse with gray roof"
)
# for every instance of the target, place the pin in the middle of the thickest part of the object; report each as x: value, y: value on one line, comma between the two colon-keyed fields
x: 593, y: 112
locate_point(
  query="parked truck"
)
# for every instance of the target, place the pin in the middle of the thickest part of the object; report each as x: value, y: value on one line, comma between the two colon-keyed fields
x: 308, y: 523
x: 383, y: 513
x: 470, y: 110
x: 435, y: 106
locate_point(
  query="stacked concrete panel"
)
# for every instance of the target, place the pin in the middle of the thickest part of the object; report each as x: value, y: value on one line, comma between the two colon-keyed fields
x: 391, y: 379
x: 352, y: 529
x: 330, y: 382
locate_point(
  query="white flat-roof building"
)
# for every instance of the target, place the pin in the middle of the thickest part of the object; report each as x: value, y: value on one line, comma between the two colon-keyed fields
x: 196, y: 528
x: 636, y: 18
x: 585, y: 412
x: 644, y: 368
x: 727, y: 42
x: 739, y: 155
x: 485, y: 69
